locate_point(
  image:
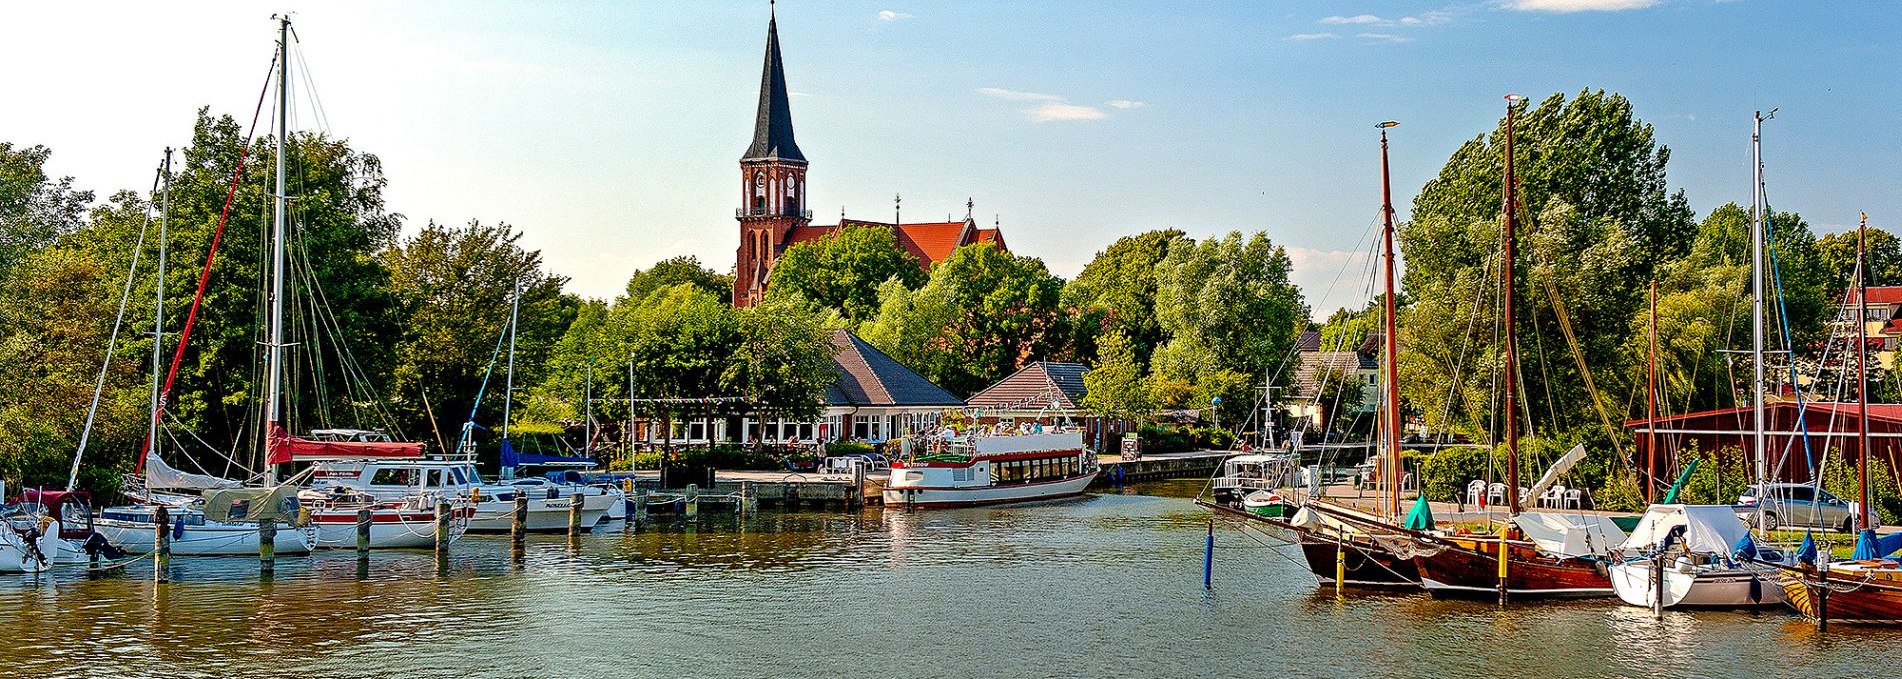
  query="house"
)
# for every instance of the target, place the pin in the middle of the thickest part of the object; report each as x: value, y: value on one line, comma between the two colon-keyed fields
x: 1881, y: 318
x: 1320, y: 364
x: 1050, y: 394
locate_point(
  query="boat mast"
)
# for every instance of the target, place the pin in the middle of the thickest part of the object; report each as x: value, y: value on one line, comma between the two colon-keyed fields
x: 275, y: 349
x: 1651, y: 403
x: 508, y: 385
x: 587, y: 420
x: 158, y: 323
x: 1390, y: 356
x: 1862, y: 377
x: 1757, y: 301
x: 1512, y: 344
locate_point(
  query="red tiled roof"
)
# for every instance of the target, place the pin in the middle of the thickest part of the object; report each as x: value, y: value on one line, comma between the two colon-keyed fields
x: 801, y: 234
x: 929, y: 242
x: 1878, y: 294
x: 991, y: 236
x: 1036, y: 385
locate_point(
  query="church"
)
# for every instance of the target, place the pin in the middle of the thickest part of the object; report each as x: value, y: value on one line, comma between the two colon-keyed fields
x: 773, y: 213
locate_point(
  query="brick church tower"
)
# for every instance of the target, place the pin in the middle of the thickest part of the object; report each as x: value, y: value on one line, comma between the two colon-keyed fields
x: 772, y: 182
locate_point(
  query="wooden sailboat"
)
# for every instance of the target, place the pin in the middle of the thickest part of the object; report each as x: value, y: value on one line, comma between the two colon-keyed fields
x: 1343, y: 546
x: 1868, y: 587
x: 1504, y: 564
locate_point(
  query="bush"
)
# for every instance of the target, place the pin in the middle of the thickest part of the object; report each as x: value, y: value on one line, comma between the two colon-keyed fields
x: 849, y: 448
x: 1839, y: 478
x: 1159, y: 440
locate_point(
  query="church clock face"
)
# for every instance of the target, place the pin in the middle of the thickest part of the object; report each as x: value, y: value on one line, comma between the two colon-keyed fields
x: 759, y: 184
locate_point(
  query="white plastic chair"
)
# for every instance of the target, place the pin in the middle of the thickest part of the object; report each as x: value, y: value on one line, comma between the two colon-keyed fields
x: 1575, y: 499
x: 1552, y: 497
x: 1475, y: 491
x: 1496, y: 494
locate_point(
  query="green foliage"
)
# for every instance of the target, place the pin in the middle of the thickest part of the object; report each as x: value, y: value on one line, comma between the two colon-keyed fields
x: 668, y: 273
x: 1720, y: 477
x: 35, y: 210
x: 980, y: 317
x: 1840, y: 479
x: 849, y: 448
x: 1117, y: 292
x: 452, y: 286
x: 1229, y: 311
x: 1115, y: 385
x: 1346, y: 330
x: 1838, y: 254
x: 1444, y: 475
x: 844, y: 269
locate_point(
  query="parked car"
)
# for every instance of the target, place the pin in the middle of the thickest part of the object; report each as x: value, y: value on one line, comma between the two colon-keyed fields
x: 1795, y: 505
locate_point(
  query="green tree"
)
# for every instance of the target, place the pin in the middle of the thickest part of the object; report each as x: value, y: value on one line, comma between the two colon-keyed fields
x: 1120, y: 285
x: 453, y: 286
x: 1229, y: 311
x: 983, y: 314
x: 783, y: 362
x: 844, y: 269
x: 1838, y: 253
x: 1114, y: 386
x: 34, y: 209
x: 668, y: 273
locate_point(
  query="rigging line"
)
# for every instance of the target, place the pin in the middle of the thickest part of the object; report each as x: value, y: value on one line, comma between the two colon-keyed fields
x: 112, y: 342
x: 1578, y: 353
x: 356, y: 379
x: 310, y: 83
x: 1783, y: 318
x: 204, y: 276
x: 188, y: 430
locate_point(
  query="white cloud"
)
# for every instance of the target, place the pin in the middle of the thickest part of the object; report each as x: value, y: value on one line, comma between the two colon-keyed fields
x: 1577, y: 5
x: 1432, y: 18
x: 1050, y: 111
x: 1383, y: 37
x: 1305, y: 37
x: 889, y: 15
x: 1329, y: 279
x: 1014, y: 95
x: 1125, y: 103
x: 1358, y: 19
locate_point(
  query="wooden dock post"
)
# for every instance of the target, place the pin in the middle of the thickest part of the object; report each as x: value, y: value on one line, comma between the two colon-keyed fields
x: 365, y: 519
x: 575, y: 501
x: 161, y: 543
x: 1822, y: 596
x: 639, y: 514
x: 267, y: 546
x: 858, y: 488
x: 442, y: 527
x: 693, y: 500
x: 749, y: 497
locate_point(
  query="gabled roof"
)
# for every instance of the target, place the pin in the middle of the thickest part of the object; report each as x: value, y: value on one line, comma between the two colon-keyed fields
x: 1036, y: 386
x: 868, y: 377
x: 1878, y: 294
x: 1314, y: 364
x: 772, y: 126
x: 1309, y: 340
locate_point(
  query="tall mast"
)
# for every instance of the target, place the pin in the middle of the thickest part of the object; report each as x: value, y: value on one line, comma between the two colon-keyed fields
x: 158, y: 321
x: 1651, y: 402
x: 508, y: 385
x: 1757, y: 301
x: 1512, y: 343
x: 1390, y: 355
x: 587, y: 404
x: 1862, y: 377
x: 275, y: 349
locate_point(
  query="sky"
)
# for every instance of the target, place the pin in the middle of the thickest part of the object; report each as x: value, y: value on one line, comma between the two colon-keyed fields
x: 609, y: 133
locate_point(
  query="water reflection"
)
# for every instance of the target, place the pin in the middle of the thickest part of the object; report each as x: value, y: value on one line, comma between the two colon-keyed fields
x: 1109, y: 585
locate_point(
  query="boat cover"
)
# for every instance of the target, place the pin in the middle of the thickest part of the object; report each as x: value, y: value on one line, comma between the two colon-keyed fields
x: 161, y: 475
x: 1868, y: 546
x: 1421, y: 518
x: 1570, y: 534
x: 282, y: 448
x: 1708, y: 529
x: 252, y: 505
x: 514, y: 458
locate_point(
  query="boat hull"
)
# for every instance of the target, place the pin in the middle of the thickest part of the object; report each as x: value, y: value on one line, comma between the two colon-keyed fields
x: 940, y: 497
x: 1461, y: 572
x: 389, y: 528
x: 16, y: 556
x: 209, y: 539
x: 1850, y: 600
x: 1364, y: 564
x: 1635, y: 583
x: 544, y: 514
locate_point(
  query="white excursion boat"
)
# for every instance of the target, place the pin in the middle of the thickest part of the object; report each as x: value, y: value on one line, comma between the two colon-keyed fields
x: 1697, y: 545
x: 993, y: 469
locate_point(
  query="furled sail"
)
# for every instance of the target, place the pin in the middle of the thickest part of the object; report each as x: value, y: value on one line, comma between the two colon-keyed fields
x: 282, y: 448
x: 161, y: 475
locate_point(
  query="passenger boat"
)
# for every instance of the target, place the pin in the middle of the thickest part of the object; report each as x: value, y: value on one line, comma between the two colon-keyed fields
x: 984, y: 470
x: 1696, y: 545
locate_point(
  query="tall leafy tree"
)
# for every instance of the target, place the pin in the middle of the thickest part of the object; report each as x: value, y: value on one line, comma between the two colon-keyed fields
x: 1230, y: 311
x: 34, y: 208
x: 1838, y: 253
x: 983, y: 314
x: 668, y: 273
x: 1114, y: 386
x: 1120, y: 285
x: 452, y: 287
x: 844, y: 269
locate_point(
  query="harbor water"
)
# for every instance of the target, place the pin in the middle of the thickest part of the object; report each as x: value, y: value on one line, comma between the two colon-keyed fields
x: 1105, y: 586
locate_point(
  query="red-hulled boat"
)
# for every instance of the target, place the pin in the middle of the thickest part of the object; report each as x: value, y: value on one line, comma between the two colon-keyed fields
x: 1470, y: 568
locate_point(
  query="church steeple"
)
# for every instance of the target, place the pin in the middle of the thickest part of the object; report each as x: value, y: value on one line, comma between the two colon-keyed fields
x: 772, y: 128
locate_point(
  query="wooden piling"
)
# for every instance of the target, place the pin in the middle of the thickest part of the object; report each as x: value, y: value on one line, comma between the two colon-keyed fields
x: 161, y: 543
x: 364, y: 520
x: 518, y: 524
x: 858, y: 487
x: 442, y: 527
x: 639, y: 515
x: 1822, y: 596
x: 749, y: 497
x: 693, y: 500
x: 575, y: 502
x: 267, y: 546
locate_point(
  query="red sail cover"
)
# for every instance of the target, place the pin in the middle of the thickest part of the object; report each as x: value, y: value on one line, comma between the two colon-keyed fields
x: 283, y: 448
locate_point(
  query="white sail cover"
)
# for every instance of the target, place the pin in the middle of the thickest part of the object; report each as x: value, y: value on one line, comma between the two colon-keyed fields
x: 161, y: 475
x: 1570, y: 534
x: 1708, y: 529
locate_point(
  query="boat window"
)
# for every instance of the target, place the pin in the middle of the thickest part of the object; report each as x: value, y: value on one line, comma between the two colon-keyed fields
x: 461, y: 478
x: 393, y: 477
x: 435, y: 478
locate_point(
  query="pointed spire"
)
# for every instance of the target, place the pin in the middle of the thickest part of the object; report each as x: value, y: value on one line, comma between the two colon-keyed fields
x: 772, y: 127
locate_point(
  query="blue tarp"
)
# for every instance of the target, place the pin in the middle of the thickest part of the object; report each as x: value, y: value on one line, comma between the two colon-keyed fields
x: 1806, y: 552
x: 514, y: 458
x: 1746, y: 548
x: 1869, y: 546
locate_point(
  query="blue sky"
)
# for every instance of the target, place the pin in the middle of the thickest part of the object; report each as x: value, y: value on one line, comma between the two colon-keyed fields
x: 610, y: 132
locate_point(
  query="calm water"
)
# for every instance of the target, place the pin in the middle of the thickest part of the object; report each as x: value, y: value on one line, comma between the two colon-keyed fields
x: 1108, y: 586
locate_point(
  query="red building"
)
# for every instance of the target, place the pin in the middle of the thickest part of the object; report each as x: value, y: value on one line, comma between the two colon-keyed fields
x: 773, y: 214
x: 1827, y: 428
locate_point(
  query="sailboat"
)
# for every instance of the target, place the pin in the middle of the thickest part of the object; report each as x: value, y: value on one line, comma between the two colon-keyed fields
x: 1561, y: 557
x: 1341, y: 545
x: 1868, y: 587
x: 133, y: 527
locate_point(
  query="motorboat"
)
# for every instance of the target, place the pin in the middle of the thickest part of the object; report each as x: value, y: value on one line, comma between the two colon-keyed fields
x: 982, y: 470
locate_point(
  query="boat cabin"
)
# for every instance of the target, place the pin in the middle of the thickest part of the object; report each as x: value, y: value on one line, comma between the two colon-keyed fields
x: 72, y: 508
